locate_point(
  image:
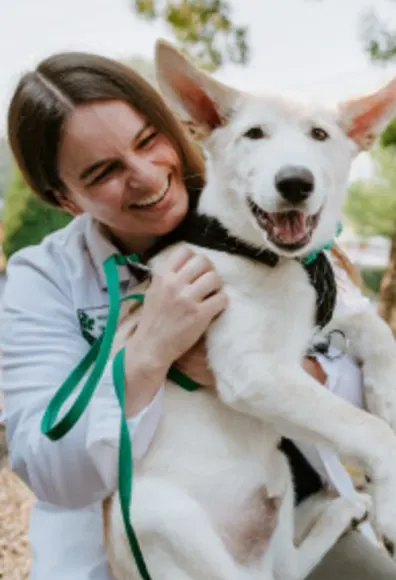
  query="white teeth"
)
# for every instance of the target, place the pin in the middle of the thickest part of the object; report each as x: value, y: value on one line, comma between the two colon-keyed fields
x: 152, y: 199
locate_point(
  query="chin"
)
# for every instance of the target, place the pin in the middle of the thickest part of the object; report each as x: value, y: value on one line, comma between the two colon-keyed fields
x: 172, y: 219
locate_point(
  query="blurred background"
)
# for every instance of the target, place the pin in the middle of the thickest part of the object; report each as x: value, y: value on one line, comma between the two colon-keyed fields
x: 329, y: 49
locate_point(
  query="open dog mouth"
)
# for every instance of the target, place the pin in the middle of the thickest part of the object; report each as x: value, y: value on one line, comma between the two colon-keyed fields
x: 289, y: 230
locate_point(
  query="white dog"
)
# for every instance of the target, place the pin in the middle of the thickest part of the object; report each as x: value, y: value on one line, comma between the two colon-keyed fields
x: 213, y: 497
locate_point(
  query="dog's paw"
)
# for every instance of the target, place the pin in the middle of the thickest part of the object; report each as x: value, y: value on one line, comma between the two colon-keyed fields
x: 359, y: 508
x: 385, y: 524
x: 362, y: 506
x: 389, y: 547
x: 353, y: 511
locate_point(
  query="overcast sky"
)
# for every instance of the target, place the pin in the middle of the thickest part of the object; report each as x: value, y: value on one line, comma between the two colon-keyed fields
x: 308, y: 45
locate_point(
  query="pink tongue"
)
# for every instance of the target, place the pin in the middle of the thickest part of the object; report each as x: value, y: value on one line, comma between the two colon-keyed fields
x: 289, y: 226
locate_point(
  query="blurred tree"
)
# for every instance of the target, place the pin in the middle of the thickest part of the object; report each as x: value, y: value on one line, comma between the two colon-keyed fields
x: 202, y: 28
x: 371, y: 207
x: 380, y: 44
x: 387, y: 296
x: 27, y: 220
x: 388, y: 137
x: 371, y: 204
x: 379, y: 41
x: 5, y: 170
x: 378, y: 38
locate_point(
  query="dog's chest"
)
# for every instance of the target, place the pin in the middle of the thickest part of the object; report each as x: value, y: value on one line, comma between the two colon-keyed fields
x: 266, y: 303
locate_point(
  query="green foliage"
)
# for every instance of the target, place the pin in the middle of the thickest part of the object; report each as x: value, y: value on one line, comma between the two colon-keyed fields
x: 372, y: 278
x: 378, y: 39
x: 371, y: 204
x: 27, y: 220
x: 388, y: 137
x: 379, y: 42
x: 5, y: 167
x: 203, y: 28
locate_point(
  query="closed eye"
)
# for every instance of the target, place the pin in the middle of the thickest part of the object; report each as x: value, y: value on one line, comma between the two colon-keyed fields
x: 109, y: 169
x: 147, y: 140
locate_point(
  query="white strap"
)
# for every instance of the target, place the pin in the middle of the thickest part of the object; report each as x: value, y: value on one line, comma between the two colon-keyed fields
x: 341, y: 480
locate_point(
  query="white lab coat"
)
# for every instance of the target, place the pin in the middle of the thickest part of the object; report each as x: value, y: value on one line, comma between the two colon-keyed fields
x: 55, y: 292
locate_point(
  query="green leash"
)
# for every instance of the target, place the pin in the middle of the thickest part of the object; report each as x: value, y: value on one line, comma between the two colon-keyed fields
x: 313, y: 255
x: 95, y: 361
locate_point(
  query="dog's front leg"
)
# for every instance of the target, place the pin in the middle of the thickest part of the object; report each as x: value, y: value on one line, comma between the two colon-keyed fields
x: 283, y: 394
x: 371, y: 342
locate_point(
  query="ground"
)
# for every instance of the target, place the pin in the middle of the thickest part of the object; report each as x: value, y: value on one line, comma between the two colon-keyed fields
x: 15, y: 505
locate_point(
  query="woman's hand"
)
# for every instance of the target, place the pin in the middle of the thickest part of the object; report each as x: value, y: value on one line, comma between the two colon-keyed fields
x: 181, y: 302
x: 179, y: 305
x: 314, y: 368
x: 194, y: 364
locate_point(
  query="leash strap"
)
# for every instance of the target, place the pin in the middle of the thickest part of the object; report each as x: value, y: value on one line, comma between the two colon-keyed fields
x: 125, y: 465
x: 96, y: 359
x: 97, y: 356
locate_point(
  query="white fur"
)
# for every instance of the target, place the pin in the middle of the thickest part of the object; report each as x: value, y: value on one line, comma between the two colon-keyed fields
x: 196, y: 490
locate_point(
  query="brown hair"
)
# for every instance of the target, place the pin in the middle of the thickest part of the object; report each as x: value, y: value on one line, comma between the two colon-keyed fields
x: 45, y: 97
x: 345, y: 263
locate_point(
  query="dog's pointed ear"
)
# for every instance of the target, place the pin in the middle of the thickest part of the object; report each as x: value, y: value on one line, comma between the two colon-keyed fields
x: 363, y: 119
x: 202, y: 102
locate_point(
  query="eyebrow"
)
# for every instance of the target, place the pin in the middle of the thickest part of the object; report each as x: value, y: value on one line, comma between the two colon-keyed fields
x: 95, y: 166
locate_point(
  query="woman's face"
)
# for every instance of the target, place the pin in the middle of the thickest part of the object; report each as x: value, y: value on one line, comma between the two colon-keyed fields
x: 118, y: 168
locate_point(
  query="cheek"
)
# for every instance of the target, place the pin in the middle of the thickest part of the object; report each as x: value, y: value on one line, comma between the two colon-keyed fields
x: 167, y: 153
x: 112, y: 193
x: 105, y: 198
x: 336, y: 168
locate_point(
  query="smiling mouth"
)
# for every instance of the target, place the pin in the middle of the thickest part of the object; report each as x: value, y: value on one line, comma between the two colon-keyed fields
x: 288, y: 230
x: 155, y: 198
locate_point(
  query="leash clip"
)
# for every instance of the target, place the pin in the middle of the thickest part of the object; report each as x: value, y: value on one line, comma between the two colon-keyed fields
x: 335, y: 340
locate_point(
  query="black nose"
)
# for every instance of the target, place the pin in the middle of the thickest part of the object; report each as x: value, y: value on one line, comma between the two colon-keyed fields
x: 295, y: 184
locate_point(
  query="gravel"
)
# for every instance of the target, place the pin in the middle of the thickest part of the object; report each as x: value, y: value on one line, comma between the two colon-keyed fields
x: 15, y: 505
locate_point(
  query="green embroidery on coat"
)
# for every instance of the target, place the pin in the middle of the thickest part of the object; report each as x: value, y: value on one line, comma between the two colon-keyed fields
x: 87, y: 325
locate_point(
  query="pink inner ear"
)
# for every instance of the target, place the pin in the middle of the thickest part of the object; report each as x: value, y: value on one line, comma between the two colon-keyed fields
x: 200, y: 106
x: 365, y: 123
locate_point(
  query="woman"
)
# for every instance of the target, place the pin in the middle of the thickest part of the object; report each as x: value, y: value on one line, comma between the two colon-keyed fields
x: 90, y: 136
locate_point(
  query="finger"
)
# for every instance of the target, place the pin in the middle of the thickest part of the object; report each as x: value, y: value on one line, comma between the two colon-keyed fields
x: 179, y: 257
x: 214, y: 305
x: 315, y: 369
x: 204, y: 286
x: 193, y: 268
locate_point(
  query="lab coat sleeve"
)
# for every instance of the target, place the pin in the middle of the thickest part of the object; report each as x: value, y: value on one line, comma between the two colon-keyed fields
x: 41, y: 342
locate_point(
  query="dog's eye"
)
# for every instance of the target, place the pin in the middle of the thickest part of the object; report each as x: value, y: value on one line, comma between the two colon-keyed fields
x: 319, y: 134
x: 255, y: 133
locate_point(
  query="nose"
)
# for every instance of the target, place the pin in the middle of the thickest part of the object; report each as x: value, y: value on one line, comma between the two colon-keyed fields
x: 141, y: 173
x: 294, y: 183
